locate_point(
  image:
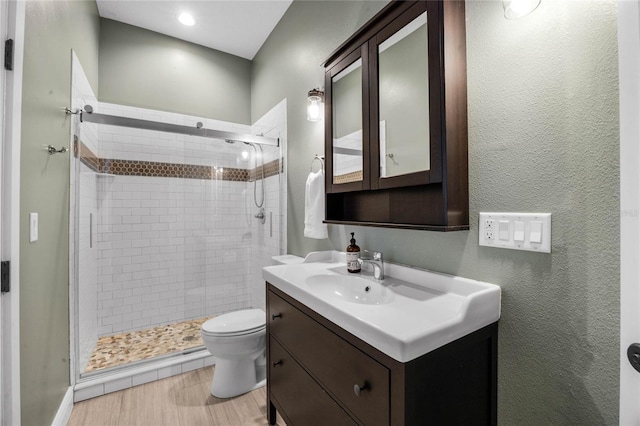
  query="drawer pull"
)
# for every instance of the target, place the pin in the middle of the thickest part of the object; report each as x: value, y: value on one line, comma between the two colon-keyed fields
x: 276, y: 316
x: 277, y: 363
x: 357, y: 388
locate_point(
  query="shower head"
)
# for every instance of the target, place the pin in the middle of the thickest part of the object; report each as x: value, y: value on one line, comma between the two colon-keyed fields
x: 88, y: 109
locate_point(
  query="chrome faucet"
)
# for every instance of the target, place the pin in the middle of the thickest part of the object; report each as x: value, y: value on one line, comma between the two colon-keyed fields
x: 373, y: 258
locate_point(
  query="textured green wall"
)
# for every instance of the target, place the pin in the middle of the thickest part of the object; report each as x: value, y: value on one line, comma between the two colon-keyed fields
x: 543, y: 136
x: 52, y: 29
x: 146, y: 69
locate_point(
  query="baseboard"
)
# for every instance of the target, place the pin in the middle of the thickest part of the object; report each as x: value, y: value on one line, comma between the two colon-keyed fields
x: 64, y: 411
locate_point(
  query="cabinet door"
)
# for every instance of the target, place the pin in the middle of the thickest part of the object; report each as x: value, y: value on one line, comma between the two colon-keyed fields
x: 406, y: 102
x: 347, y: 112
x: 334, y: 363
x: 301, y: 400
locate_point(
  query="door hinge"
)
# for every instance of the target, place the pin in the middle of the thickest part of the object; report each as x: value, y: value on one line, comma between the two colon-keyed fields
x: 5, y: 278
x: 8, y: 55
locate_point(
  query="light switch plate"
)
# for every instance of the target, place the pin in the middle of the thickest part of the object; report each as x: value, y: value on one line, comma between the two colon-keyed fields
x: 33, y: 227
x: 516, y: 231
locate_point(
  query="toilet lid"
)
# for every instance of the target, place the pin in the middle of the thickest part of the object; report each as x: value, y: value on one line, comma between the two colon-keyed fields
x: 243, y: 321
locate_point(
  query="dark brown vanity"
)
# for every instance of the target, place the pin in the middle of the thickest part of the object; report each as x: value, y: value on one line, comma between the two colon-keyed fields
x: 319, y: 374
x: 396, y: 120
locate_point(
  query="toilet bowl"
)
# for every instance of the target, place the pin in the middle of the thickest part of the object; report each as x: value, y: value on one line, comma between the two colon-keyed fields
x: 237, y: 342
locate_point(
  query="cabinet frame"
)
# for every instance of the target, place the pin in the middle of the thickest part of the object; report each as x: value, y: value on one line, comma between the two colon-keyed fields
x: 436, y: 199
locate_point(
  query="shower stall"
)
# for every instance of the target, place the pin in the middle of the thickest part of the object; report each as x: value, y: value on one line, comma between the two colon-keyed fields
x: 173, y: 218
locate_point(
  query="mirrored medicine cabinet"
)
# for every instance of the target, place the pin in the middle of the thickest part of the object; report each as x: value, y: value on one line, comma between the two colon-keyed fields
x: 396, y: 120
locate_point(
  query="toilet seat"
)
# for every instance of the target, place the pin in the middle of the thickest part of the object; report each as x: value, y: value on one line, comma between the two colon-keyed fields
x: 238, y: 323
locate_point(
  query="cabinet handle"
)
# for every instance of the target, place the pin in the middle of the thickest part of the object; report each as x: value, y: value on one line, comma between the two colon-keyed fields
x: 277, y: 363
x: 357, y: 388
x: 276, y: 316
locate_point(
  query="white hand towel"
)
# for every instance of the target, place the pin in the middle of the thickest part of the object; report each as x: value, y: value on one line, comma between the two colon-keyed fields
x: 314, y: 207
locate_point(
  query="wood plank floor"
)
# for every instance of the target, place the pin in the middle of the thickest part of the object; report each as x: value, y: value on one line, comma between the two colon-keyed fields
x: 182, y: 400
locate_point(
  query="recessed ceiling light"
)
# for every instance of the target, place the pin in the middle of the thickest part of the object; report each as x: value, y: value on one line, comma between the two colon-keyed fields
x: 187, y: 19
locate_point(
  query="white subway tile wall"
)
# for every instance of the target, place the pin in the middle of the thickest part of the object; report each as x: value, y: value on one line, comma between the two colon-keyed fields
x: 173, y: 249
x: 170, y: 249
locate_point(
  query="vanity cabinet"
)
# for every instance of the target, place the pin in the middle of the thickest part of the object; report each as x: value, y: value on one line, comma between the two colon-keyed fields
x: 319, y: 374
x: 396, y: 120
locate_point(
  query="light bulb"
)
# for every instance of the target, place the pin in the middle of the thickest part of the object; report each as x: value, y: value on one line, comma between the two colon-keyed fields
x: 315, y: 106
x: 514, y: 9
x: 313, y: 110
x: 187, y: 20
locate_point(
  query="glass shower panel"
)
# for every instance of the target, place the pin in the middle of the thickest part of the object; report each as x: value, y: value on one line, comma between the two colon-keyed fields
x: 85, y: 247
x: 167, y: 237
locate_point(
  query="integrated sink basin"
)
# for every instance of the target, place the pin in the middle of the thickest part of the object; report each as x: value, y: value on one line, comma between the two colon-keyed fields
x: 351, y: 289
x: 408, y: 314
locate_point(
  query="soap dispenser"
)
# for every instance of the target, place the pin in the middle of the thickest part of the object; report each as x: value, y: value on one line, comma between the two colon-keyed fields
x: 353, y: 254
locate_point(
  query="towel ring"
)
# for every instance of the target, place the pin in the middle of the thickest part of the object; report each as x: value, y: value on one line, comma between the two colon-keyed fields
x: 318, y: 158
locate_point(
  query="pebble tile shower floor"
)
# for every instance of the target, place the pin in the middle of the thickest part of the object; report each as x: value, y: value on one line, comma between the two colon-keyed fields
x: 125, y: 348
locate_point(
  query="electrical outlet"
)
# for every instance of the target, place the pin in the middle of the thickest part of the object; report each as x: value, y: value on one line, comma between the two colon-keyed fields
x: 489, y: 229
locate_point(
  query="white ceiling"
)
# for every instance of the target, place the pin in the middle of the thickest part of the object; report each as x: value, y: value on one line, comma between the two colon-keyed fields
x: 239, y: 27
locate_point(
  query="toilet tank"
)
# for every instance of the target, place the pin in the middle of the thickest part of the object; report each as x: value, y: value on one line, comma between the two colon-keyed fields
x: 286, y: 259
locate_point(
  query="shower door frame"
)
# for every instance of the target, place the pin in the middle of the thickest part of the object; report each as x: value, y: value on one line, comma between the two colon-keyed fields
x: 83, y: 116
x: 12, y: 18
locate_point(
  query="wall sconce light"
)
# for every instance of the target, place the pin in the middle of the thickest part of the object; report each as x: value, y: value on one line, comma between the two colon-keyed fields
x: 315, y: 104
x: 514, y: 9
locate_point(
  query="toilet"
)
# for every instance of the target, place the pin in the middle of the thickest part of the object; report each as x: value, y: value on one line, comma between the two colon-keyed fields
x: 237, y: 342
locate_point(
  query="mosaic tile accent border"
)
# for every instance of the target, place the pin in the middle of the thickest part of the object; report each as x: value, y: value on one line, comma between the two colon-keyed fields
x: 175, y: 170
x: 348, y: 177
x: 271, y: 168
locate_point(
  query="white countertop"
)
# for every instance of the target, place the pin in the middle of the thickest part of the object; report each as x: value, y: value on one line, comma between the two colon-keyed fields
x: 408, y: 314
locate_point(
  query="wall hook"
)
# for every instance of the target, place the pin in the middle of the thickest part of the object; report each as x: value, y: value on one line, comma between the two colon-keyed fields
x: 69, y: 111
x: 52, y: 150
x: 318, y: 158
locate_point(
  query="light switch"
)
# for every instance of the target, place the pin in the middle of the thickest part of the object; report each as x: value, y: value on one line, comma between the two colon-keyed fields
x: 518, y: 233
x: 503, y: 230
x: 536, y: 232
x: 33, y: 227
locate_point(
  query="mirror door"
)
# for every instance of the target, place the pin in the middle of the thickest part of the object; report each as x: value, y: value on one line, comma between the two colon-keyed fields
x: 347, y: 100
x: 405, y: 116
